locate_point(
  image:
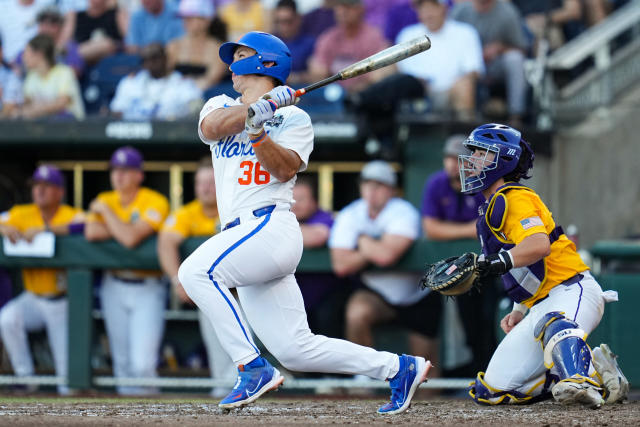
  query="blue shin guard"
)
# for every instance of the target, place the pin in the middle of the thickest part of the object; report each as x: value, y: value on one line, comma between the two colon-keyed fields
x: 564, y: 347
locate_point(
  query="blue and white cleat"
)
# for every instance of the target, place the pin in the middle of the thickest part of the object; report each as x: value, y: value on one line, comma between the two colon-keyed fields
x: 413, y: 372
x: 254, y: 379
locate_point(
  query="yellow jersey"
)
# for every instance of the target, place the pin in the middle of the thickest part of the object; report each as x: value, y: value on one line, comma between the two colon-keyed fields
x: 42, y: 281
x: 148, y: 206
x: 190, y: 220
x: 526, y: 215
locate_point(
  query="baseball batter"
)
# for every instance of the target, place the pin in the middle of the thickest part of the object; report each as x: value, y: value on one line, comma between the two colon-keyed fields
x: 543, y: 274
x: 256, y: 160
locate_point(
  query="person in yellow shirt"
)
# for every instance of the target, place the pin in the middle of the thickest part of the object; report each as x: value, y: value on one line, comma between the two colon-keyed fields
x: 242, y: 16
x: 133, y: 301
x: 43, y: 304
x: 197, y: 218
x: 544, y: 353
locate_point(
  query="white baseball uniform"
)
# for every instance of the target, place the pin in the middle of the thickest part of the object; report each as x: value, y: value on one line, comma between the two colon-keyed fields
x: 258, y: 254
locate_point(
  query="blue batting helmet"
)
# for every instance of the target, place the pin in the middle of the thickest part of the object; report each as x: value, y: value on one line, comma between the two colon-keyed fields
x: 505, y: 153
x: 268, y: 47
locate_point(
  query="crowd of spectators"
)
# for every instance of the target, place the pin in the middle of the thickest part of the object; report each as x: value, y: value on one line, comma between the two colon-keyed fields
x: 474, y: 67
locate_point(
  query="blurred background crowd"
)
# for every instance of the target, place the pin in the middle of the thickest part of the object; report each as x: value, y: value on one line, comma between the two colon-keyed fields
x: 157, y: 59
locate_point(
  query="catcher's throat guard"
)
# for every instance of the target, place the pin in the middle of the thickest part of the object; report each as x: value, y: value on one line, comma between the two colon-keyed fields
x: 452, y: 276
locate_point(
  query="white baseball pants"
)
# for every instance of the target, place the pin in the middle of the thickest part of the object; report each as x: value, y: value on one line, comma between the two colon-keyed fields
x: 134, y: 320
x: 27, y: 313
x: 259, y: 257
x: 517, y: 363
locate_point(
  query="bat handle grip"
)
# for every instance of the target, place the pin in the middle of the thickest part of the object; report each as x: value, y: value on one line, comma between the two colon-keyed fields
x: 251, y: 112
x: 300, y: 92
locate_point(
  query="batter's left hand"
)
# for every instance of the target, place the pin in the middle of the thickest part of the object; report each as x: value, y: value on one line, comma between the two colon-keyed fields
x: 282, y: 95
x: 510, y: 321
x: 263, y: 110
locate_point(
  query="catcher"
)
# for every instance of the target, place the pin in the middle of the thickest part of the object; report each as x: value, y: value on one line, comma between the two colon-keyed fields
x: 544, y: 351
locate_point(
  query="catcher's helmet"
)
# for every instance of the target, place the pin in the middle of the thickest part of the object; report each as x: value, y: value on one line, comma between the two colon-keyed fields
x: 268, y: 47
x: 507, y: 145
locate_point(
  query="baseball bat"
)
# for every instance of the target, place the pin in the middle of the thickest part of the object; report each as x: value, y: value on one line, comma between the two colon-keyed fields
x: 385, y: 57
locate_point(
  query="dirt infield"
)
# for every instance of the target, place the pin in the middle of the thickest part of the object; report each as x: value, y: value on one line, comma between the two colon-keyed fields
x: 286, y: 410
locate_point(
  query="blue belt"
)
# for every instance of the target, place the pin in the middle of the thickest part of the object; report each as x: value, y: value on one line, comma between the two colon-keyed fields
x: 266, y: 210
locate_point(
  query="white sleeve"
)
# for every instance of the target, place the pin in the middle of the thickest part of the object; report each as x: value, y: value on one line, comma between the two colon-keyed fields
x: 122, y: 99
x: 405, y: 221
x: 220, y: 101
x: 344, y: 234
x: 472, y: 58
x: 297, y: 135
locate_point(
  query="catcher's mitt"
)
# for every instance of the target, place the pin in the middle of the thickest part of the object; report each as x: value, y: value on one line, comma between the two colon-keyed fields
x: 452, y: 276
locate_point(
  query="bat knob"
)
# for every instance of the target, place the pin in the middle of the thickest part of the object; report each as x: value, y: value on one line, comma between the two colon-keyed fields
x: 251, y: 112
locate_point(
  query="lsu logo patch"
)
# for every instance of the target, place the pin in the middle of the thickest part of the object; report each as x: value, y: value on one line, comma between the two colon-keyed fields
x: 531, y: 222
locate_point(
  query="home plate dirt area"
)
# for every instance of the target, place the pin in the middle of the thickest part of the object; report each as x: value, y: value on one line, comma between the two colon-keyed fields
x: 296, y: 410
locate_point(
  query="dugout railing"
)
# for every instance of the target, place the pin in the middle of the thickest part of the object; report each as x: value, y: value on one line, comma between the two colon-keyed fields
x: 616, y: 263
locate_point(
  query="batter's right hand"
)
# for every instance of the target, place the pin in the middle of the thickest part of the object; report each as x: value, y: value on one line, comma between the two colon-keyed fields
x: 510, y: 321
x: 263, y: 110
x: 282, y: 95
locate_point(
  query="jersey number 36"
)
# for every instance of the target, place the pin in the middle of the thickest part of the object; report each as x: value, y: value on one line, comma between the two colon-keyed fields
x: 253, y: 174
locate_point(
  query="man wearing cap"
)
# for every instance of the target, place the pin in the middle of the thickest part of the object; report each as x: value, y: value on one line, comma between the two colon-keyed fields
x: 377, y: 230
x: 447, y: 214
x: 259, y: 142
x: 43, y: 304
x: 133, y: 301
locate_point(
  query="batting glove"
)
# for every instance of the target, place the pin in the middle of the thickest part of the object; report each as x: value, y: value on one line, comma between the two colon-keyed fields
x: 494, y: 264
x: 282, y: 95
x: 263, y: 110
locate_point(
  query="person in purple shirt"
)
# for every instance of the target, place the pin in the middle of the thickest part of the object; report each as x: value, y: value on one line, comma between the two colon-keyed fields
x: 448, y: 214
x: 287, y: 24
x: 323, y: 299
x: 397, y: 17
x: 320, y: 19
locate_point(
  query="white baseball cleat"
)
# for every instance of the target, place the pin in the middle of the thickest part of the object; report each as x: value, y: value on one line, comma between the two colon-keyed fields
x: 614, y: 380
x: 569, y: 392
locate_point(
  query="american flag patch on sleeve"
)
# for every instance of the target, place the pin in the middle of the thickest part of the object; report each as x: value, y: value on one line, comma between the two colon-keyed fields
x: 531, y: 222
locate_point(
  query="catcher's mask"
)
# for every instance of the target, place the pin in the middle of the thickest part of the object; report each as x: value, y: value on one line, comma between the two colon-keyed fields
x: 502, y: 148
x: 268, y: 47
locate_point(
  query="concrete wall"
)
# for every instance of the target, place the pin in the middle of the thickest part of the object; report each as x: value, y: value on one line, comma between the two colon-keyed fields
x: 593, y: 180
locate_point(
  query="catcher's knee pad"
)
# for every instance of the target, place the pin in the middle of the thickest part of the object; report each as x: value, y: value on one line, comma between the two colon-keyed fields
x: 484, y: 394
x: 564, y: 346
